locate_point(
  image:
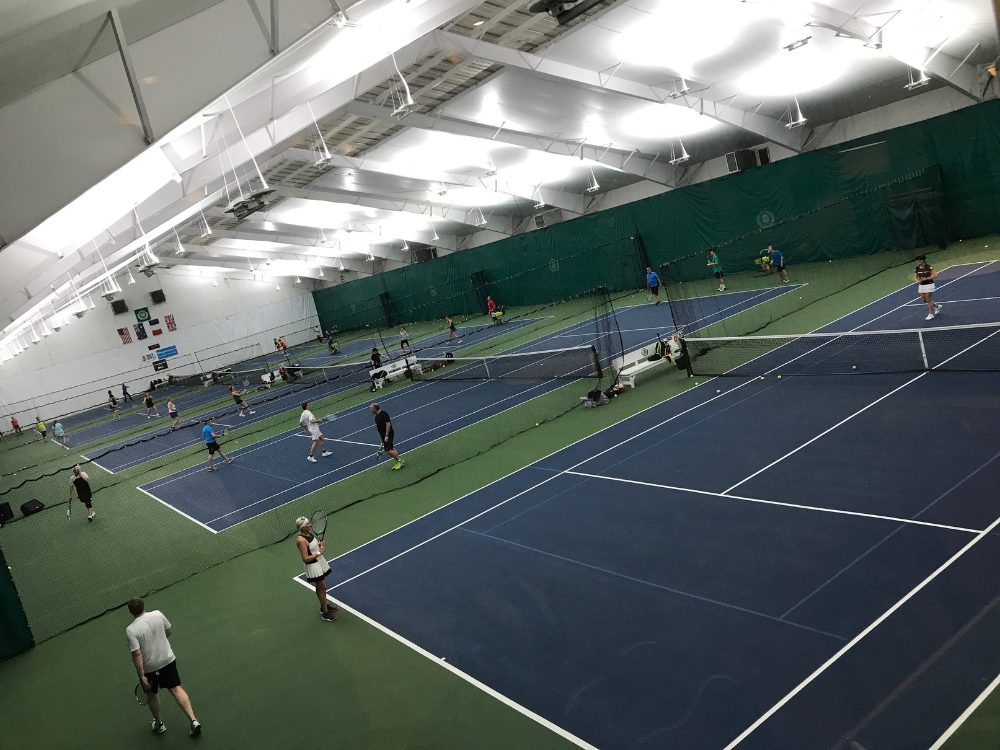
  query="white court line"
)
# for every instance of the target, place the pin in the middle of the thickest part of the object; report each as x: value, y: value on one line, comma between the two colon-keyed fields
x: 860, y: 636
x: 555, y: 728
x: 59, y: 444
x: 96, y: 464
x: 715, y: 313
x: 859, y: 411
x: 337, y: 440
x: 966, y: 714
x: 798, y: 506
x: 952, y: 301
x: 175, y: 510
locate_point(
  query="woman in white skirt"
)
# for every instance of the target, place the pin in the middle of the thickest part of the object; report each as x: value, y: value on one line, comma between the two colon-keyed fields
x: 924, y: 275
x: 317, y: 568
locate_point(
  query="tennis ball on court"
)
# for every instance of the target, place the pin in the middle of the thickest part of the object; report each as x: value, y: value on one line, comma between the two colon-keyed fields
x: 779, y: 377
x: 536, y: 424
x: 718, y: 390
x: 761, y: 377
x: 854, y: 367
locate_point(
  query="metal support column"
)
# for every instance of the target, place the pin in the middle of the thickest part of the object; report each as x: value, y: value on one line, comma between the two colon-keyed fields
x: 275, y: 45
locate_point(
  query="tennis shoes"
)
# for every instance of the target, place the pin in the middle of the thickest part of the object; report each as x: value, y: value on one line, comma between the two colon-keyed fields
x: 159, y: 728
x: 312, y: 459
x: 931, y: 316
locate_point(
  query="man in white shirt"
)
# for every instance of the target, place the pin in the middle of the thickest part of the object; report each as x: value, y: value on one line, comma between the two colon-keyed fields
x: 310, y: 424
x: 155, y: 662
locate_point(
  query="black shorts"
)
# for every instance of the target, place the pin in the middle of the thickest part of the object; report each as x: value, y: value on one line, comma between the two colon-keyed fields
x: 452, y: 328
x: 387, y: 443
x: 718, y: 274
x: 404, y: 342
x: 779, y: 267
x: 655, y: 290
x: 165, y: 677
x: 238, y: 400
x: 88, y: 500
x: 45, y: 433
x: 212, y: 447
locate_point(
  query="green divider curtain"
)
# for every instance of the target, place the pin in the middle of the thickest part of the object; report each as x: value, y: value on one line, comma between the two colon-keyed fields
x: 15, y: 635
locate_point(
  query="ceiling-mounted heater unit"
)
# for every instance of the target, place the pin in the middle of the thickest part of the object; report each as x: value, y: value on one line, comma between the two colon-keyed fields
x: 548, y: 218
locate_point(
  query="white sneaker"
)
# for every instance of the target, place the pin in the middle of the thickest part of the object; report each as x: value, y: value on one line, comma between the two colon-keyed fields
x: 937, y: 310
x: 311, y: 458
x: 930, y: 316
x: 253, y: 412
x: 326, y: 453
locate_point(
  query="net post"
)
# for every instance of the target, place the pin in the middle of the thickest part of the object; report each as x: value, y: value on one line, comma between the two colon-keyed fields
x: 923, y: 349
x: 687, y: 356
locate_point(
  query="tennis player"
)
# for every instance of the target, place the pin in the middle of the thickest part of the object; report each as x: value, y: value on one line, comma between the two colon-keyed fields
x: 211, y: 442
x: 43, y: 431
x: 174, y: 414
x: 151, y: 410
x: 80, y: 484
x: 126, y: 396
x: 60, y: 433
x: 716, y: 266
x: 238, y: 399
x: 404, y: 339
x: 311, y: 550
x: 375, y: 359
x: 924, y: 275
x: 15, y: 425
x: 309, y: 423
x: 653, y: 283
x: 452, y: 331
x: 113, y: 406
x: 778, y: 263
x: 383, y: 424
x: 149, y: 641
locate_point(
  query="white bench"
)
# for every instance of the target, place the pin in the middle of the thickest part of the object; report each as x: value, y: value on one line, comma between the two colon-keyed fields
x: 639, y: 361
x: 392, y: 371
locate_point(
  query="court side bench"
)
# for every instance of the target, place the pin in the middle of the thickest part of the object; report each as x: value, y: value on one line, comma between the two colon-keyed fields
x: 645, y: 359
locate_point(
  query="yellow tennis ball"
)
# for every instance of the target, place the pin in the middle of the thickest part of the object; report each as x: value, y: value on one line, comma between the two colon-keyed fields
x: 718, y: 391
x: 761, y: 377
x: 536, y: 424
x: 779, y: 377
x: 854, y: 367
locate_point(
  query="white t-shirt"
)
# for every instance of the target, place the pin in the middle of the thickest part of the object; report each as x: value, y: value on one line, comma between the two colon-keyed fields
x: 306, y: 420
x: 148, y: 633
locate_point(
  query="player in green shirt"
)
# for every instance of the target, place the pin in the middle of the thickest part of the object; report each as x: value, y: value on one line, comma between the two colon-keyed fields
x: 716, y: 266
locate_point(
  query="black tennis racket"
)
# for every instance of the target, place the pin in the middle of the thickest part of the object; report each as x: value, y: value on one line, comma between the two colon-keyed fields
x: 379, y: 453
x: 141, y: 696
x: 318, y: 521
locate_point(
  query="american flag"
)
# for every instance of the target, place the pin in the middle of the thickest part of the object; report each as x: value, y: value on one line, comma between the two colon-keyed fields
x: 169, y: 320
x: 126, y: 336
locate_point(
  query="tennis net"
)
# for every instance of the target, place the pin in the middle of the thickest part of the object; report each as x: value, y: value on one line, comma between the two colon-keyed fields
x: 552, y: 364
x: 962, y: 348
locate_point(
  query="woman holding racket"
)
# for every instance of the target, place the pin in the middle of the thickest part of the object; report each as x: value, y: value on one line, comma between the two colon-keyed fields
x: 924, y: 275
x: 311, y: 550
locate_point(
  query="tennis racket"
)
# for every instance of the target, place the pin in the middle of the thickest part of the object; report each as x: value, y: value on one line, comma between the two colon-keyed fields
x: 318, y: 521
x: 69, y: 509
x: 379, y: 453
x: 141, y: 696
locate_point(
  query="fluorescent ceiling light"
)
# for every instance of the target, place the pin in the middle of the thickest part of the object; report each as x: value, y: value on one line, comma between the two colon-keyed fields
x: 539, y: 168
x: 663, y: 121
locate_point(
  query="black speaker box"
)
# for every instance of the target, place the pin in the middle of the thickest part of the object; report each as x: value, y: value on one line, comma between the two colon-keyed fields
x: 6, y: 514
x: 32, y: 506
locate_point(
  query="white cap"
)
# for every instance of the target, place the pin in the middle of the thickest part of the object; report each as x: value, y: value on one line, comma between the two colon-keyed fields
x: 300, y: 522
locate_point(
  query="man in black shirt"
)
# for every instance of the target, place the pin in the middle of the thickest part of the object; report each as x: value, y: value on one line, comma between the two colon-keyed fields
x: 383, y: 424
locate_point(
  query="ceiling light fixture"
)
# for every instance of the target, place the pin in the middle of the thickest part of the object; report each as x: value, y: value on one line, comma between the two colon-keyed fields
x: 798, y: 43
x: 260, y: 175
x: 298, y: 280
x: 594, y: 185
x: 180, y: 246
x: 795, y: 119
x: 323, y: 156
x: 539, y: 201
x: 206, y: 230
x: 131, y: 278
x: 677, y: 93
x: 477, y: 217
x: 400, y: 93
x: 679, y: 155
x: 918, y: 81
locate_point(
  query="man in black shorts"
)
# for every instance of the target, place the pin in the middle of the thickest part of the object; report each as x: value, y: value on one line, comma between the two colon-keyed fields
x: 80, y: 484
x: 384, y: 426
x: 149, y: 641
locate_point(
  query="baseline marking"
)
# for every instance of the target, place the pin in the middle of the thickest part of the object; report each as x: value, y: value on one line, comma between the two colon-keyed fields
x: 96, y: 464
x: 190, y: 518
x: 798, y: 506
x: 963, y: 717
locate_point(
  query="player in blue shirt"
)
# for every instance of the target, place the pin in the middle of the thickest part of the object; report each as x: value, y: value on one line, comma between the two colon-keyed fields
x: 653, y: 283
x: 211, y: 443
x: 778, y: 263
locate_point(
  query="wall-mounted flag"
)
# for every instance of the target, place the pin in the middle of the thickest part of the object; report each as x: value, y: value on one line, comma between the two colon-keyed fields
x: 126, y: 336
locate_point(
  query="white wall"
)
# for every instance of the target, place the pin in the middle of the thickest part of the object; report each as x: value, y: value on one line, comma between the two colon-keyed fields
x: 77, y: 364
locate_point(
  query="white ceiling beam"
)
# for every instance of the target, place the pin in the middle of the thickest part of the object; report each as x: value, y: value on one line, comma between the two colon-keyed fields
x: 566, y: 201
x: 630, y: 162
x: 719, y: 108
x: 959, y: 75
x: 464, y: 216
x: 329, y: 271
x: 293, y: 234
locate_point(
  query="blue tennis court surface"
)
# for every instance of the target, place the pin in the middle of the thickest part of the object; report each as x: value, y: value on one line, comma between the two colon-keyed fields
x: 796, y: 563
